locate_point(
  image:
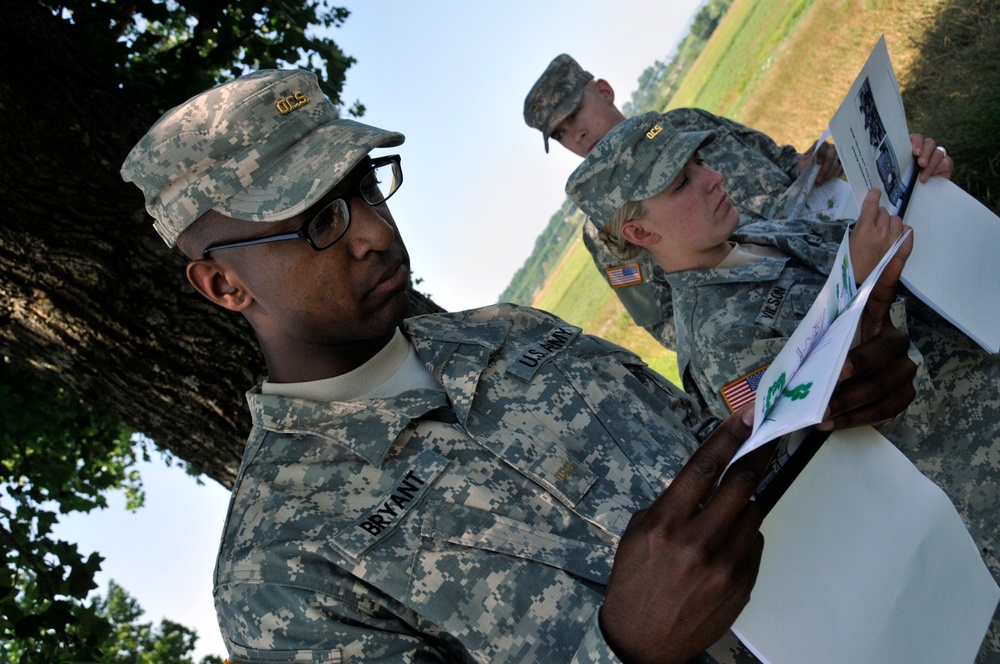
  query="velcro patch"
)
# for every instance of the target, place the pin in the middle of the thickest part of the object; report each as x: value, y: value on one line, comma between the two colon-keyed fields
x: 624, y: 275
x: 535, y: 356
x: 772, y: 303
x: 742, y: 391
x: 379, y: 522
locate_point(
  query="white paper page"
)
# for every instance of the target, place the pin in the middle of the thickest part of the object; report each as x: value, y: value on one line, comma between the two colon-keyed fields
x: 832, y: 298
x: 866, y: 560
x: 804, y: 199
x: 870, y: 132
x: 953, y: 269
x: 831, y: 200
x: 813, y: 355
x: 955, y: 264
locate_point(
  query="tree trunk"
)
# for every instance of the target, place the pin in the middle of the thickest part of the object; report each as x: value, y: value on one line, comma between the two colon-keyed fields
x: 90, y: 297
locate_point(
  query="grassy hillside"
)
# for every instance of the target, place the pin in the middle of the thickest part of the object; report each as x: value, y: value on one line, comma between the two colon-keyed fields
x: 549, y: 249
x: 951, y: 92
x: 658, y: 83
x: 792, y: 90
x: 740, y: 53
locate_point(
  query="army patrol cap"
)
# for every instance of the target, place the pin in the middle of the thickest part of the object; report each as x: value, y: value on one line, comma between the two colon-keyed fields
x: 639, y: 158
x: 263, y: 147
x: 555, y: 95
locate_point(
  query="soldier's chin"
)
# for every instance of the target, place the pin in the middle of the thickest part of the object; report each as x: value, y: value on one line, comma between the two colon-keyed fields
x: 397, y: 307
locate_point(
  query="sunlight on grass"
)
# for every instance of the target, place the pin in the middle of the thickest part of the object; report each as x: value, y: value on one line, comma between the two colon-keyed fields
x: 740, y: 50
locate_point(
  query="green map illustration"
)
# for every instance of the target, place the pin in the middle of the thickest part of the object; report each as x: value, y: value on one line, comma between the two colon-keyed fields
x: 777, y: 389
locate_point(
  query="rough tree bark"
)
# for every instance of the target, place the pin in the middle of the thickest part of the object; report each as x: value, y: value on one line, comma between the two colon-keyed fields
x: 90, y: 297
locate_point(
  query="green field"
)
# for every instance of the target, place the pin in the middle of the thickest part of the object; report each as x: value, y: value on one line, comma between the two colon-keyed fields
x: 741, y: 50
x: 783, y: 66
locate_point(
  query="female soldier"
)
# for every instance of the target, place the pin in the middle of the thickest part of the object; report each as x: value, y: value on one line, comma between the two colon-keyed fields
x: 740, y: 291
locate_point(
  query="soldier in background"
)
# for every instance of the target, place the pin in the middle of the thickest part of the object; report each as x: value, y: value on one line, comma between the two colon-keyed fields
x: 569, y: 105
x: 491, y: 485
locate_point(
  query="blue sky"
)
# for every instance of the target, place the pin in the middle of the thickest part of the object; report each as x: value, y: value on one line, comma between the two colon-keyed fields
x: 478, y: 190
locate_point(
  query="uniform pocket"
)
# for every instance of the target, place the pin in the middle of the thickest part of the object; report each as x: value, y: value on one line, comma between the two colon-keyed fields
x: 486, y: 531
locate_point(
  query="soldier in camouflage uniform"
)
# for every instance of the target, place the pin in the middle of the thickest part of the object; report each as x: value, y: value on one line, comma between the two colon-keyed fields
x: 569, y: 105
x: 734, y: 314
x: 447, y: 487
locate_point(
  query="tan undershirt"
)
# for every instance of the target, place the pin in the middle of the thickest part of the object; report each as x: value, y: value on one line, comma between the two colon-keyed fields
x: 748, y: 254
x: 394, y: 370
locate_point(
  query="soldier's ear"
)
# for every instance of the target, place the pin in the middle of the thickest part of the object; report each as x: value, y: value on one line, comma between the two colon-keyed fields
x: 604, y: 89
x: 635, y: 232
x: 220, y: 284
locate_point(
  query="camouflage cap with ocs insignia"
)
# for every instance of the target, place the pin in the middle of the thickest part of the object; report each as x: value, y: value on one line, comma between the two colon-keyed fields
x: 639, y: 158
x: 555, y: 95
x: 263, y: 147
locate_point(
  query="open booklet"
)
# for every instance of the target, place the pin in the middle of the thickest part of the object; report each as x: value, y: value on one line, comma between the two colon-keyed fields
x: 953, y: 267
x: 804, y: 199
x: 796, y: 388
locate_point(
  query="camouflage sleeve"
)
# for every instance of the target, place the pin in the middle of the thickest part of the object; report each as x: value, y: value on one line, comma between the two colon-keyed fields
x: 731, y: 346
x: 594, y: 649
x: 699, y: 421
x: 647, y: 300
x: 725, y: 357
x: 356, y: 624
x: 785, y: 157
x: 735, y: 324
x: 728, y: 650
x: 813, y: 243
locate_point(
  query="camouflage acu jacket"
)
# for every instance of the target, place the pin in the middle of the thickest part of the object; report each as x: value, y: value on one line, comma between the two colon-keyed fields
x: 757, y: 171
x: 732, y: 322
x: 474, y: 523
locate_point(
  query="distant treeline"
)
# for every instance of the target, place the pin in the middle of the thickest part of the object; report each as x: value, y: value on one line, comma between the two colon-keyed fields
x: 563, y: 227
x: 658, y: 83
x: 655, y: 88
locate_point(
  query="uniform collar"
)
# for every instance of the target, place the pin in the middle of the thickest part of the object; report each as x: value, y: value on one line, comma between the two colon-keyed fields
x: 368, y: 428
x: 766, y: 269
x: 456, y: 349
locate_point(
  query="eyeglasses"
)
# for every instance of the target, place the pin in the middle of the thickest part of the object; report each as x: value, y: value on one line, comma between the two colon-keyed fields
x: 331, y: 223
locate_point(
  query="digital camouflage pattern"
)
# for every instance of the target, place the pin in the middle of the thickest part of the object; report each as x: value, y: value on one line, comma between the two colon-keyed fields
x: 731, y: 322
x: 475, y: 523
x: 647, y: 302
x: 556, y: 94
x: 263, y: 147
x: 637, y: 159
x: 757, y: 171
x: 715, y: 338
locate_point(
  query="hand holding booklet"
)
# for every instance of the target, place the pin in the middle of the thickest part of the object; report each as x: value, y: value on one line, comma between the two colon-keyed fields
x: 865, y: 559
x: 796, y: 388
x: 953, y: 267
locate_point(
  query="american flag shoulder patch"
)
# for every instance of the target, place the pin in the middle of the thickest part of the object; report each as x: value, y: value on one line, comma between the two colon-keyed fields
x: 742, y: 391
x: 624, y: 275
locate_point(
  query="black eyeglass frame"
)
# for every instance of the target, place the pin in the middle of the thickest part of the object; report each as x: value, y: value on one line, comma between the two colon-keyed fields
x: 303, y: 230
